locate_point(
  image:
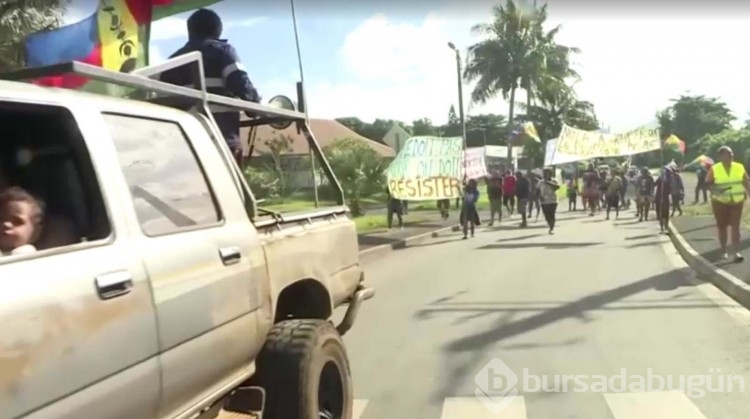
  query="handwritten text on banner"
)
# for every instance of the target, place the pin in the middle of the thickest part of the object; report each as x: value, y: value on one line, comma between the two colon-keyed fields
x: 590, y: 144
x: 427, y: 168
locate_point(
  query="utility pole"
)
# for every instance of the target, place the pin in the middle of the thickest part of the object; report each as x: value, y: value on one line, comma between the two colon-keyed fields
x: 461, y: 115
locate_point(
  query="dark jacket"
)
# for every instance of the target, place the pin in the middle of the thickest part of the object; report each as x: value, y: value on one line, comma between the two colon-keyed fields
x: 523, y: 188
x: 225, y: 75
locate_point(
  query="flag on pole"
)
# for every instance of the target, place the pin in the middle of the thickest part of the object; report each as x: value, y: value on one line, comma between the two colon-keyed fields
x: 675, y: 143
x: 115, y: 37
x: 524, y: 131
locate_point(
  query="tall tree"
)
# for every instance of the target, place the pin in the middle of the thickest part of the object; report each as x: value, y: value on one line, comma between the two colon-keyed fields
x: 424, y: 127
x: 693, y: 117
x: 557, y: 105
x: 515, y: 51
x: 20, y: 18
x: 452, y: 117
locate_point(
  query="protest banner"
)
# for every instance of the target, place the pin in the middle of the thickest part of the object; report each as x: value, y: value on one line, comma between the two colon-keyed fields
x: 473, y: 163
x: 592, y: 144
x: 552, y: 157
x: 427, y: 168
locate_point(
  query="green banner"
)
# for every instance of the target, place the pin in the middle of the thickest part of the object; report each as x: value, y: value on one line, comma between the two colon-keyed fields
x: 427, y: 168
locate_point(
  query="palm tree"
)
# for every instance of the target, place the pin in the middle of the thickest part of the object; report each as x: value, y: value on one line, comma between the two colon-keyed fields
x: 20, y: 18
x: 516, y: 52
x: 557, y: 104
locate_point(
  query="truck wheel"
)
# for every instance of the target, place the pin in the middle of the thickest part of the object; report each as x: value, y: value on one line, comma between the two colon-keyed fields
x: 305, y: 371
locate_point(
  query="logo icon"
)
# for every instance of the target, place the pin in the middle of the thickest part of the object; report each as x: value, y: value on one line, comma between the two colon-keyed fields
x: 496, y: 386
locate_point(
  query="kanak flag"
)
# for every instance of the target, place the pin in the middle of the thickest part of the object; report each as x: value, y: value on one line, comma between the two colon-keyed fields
x: 115, y: 37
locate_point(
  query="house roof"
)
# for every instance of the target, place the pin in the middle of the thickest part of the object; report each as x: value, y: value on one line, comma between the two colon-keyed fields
x: 326, y: 132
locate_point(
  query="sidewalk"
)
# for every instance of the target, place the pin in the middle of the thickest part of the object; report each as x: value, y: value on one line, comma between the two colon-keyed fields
x: 700, y: 233
x: 425, y: 225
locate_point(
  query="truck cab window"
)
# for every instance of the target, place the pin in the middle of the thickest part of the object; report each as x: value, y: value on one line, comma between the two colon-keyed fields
x: 44, y: 154
x: 167, y: 184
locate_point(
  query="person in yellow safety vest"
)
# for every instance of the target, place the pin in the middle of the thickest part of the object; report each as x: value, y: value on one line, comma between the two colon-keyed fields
x: 730, y: 187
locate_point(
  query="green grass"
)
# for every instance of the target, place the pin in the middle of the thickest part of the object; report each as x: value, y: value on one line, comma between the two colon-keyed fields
x: 704, y: 210
x: 378, y: 222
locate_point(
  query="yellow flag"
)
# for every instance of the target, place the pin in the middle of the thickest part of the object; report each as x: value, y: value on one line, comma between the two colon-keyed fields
x: 118, y: 34
x: 530, y: 130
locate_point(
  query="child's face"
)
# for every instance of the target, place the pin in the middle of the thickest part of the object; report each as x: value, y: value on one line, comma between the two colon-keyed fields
x: 17, y: 225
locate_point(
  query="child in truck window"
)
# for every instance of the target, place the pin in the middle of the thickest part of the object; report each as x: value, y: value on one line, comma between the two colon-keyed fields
x: 20, y: 221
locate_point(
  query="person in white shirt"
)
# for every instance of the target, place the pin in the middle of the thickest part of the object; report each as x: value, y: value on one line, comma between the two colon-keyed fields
x: 548, y: 187
x: 20, y: 221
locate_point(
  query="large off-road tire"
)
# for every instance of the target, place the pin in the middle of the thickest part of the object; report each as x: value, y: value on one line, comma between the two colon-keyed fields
x: 305, y: 371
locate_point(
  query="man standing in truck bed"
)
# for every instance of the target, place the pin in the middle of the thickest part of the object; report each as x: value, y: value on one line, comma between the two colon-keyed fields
x: 224, y: 73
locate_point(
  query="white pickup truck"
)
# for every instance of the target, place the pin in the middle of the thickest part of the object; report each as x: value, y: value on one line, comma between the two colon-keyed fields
x: 159, y: 288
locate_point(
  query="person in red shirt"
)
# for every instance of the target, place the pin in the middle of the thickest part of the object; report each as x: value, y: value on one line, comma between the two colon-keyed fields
x: 509, y: 191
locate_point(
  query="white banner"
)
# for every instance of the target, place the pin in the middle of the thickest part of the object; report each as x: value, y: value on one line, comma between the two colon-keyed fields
x: 474, y: 165
x: 553, y: 157
x: 592, y: 144
x: 427, y: 168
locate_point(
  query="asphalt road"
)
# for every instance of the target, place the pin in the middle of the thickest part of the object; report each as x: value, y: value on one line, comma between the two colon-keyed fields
x: 592, y: 299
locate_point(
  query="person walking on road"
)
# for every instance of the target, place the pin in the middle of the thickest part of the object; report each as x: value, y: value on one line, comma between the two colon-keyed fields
x: 645, y: 192
x: 677, y: 190
x: 522, y: 191
x: 572, y: 193
x: 548, y: 187
x: 591, y: 181
x: 730, y: 187
x: 662, y: 197
x: 444, y: 206
x: 701, y: 185
x: 469, y: 215
x: 534, y: 198
x: 509, y: 192
x: 495, y: 195
x: 394, y: 208
x: 613, y: 191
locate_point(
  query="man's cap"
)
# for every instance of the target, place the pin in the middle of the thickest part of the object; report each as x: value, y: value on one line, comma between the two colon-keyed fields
x: 724, y: 149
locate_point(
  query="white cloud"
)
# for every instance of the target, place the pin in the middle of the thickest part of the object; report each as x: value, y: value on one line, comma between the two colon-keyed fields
x: 176, y: 27
x: 630, y: 68
x: 398, y: 70
x: 155, y: 55
x: 168, y: 28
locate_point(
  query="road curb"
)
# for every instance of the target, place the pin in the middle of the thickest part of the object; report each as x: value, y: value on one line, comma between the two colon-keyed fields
x: 383, y: 249
x: 729, y: 284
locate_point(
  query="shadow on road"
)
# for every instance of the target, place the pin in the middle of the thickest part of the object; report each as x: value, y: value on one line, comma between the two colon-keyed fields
x: 642, y: 236
x: 459, y: 365
x: 512, y: 239
x: 456, y: 238
x: 542, y: 245
x: 644, y: 244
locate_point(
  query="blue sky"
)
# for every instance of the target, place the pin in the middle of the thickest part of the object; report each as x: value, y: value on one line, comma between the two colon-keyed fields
x: 390, y: 60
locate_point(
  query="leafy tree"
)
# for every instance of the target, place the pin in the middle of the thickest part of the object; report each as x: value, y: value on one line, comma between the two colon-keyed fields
x: 424, y: 127
x: 486, y: 129
x: 691, y: 118
x: 20, y: 18
x: 278, y: 146
x: 359, y: 169
x: 738, y: 140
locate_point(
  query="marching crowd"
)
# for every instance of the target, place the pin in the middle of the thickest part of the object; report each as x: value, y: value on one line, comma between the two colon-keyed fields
x: 607, y: 191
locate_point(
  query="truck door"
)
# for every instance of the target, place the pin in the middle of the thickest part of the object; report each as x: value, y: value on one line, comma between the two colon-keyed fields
x: 78, y: 333
x: 195, y: 241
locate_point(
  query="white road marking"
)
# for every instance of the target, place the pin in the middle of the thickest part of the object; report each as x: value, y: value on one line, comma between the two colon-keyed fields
x: 652, y: 405
x: 472, y: 408
x: 359, y: 408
